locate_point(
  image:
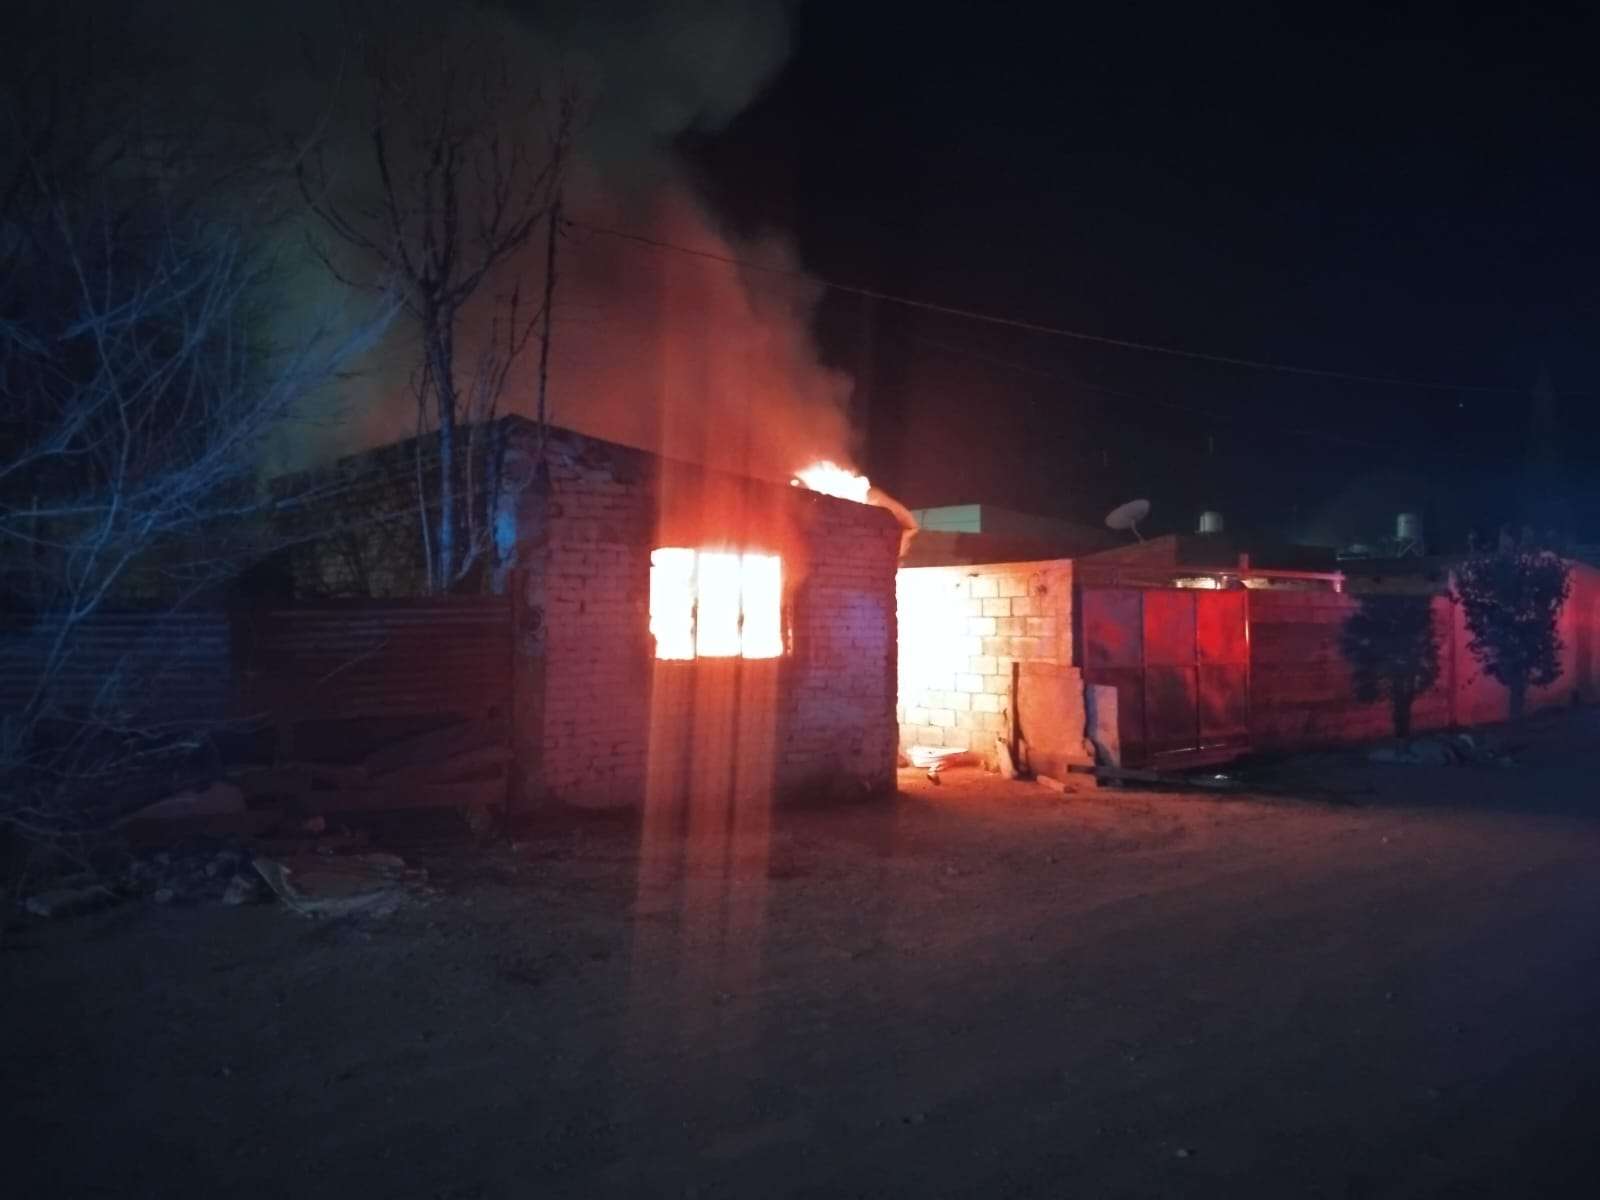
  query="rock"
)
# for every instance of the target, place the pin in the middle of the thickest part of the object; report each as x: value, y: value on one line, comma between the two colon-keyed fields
x: 317, y: 824
x: 319, y: 885
x: 69, y: 902
x: 164, y: 895
x: 1182, y: 1152
x: 244, y: 889
x: 1430, y: 753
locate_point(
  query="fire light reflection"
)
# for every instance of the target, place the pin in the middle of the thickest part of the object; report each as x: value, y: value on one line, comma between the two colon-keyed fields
x: 705, y: 840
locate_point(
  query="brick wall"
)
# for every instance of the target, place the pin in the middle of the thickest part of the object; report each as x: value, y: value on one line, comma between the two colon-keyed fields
x: 352, y: 528
x: 600, y: 721
x: 841, y: 706
x: 347, y: 666
x: 961, y: 629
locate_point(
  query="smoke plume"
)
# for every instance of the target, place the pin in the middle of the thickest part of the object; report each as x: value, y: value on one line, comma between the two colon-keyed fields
x: 691, y: 357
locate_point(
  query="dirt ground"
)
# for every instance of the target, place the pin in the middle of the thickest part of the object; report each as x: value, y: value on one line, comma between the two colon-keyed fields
x: 983, y: 988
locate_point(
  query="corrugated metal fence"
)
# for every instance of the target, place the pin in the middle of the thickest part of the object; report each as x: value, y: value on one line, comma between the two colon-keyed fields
x: 167, y: 665
x: 1206, y: 673
x: 1180, y: 661
x: 337, y: 659
x: 395, y: 658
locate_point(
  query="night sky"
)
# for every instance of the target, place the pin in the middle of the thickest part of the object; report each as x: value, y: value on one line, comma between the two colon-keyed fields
x: 1392, y: 190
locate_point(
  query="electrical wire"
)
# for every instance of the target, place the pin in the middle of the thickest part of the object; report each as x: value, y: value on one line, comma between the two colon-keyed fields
x: 1048, y: 330
x: 1249, y: 423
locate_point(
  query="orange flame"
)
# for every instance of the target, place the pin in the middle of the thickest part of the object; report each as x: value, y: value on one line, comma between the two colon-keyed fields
x: 709, y: 604
x: 831, y: 479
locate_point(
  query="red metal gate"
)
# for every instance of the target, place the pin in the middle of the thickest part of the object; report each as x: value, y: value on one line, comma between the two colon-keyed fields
x: 1180, y: 661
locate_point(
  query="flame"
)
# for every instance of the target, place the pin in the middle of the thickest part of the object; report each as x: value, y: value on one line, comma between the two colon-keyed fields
x: 672, y: 601
x: 831, y: 479
x: 707, y: 604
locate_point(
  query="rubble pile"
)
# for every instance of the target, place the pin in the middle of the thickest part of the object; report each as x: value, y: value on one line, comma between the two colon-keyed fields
x: 1443, y: 750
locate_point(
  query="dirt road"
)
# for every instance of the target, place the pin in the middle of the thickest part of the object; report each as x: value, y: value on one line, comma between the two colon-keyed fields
x: 980, y: 989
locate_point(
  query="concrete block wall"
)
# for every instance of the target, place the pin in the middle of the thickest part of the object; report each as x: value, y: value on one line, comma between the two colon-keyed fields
x: 961, y: 629
x: 602, y: 722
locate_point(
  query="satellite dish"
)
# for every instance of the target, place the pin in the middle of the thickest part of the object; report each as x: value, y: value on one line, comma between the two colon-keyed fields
x: 1127, y: 516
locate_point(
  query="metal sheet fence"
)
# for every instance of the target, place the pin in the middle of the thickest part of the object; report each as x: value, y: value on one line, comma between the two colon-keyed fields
x: 341, y: 659
x: 1180, y: 661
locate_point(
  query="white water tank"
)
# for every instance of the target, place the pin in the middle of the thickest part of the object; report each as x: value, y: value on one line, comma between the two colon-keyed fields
x: 1210, y: 522
x: 1408, y: 527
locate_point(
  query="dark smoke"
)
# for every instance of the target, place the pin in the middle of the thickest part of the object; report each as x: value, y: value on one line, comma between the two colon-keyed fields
x: 697, y: 359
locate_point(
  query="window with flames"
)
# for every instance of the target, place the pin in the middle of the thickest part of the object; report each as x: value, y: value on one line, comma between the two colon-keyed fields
x: 715, y: 604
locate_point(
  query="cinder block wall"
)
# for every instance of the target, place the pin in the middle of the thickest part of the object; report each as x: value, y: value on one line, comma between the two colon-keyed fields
x: 601, y: 722
x: 961, y: 629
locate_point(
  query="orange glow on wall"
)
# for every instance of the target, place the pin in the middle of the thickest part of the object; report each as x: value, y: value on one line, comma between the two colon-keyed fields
x: 715, y: 604
x: 935, y: 646
x: 831, y: 479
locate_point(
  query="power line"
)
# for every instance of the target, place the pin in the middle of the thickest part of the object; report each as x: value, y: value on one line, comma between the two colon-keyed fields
x: 1250, y: 423
x: 1048, y: 330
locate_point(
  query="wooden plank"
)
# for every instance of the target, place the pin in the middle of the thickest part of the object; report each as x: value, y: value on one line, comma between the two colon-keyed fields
x: 486, y: 793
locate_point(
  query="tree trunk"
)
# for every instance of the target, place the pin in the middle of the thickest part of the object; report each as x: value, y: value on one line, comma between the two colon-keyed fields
x: 444, y: 542
x: 1517, y: 699
x: 1400, y: 703
x: 444, y: 559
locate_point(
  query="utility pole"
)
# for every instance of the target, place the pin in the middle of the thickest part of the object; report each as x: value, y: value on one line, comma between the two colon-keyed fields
x: 544, y: 333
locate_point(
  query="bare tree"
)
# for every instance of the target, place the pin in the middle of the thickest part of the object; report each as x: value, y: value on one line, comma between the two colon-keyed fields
x: 464, y: 162
x: 138, y: 392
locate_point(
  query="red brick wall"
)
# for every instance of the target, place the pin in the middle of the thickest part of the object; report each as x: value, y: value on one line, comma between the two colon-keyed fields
x: 601, y: 722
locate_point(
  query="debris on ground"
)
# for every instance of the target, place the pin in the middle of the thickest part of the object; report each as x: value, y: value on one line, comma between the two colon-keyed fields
x: 216, y: 799
x: 1004, y: 759
x: 311, y: 873
x: 464, y: 766
x: 317, y: 885
x: 1441, y: 750
x: 934, y: 759
x: 70, y: 901
x: 1207, y: 780
x: 245, y: 889
x: 184, y: 874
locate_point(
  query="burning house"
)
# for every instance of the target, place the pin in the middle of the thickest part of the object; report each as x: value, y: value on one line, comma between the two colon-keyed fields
x: 674, y: 630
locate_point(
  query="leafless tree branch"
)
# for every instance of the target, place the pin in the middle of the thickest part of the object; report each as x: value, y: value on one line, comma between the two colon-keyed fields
x: 465, y: 162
